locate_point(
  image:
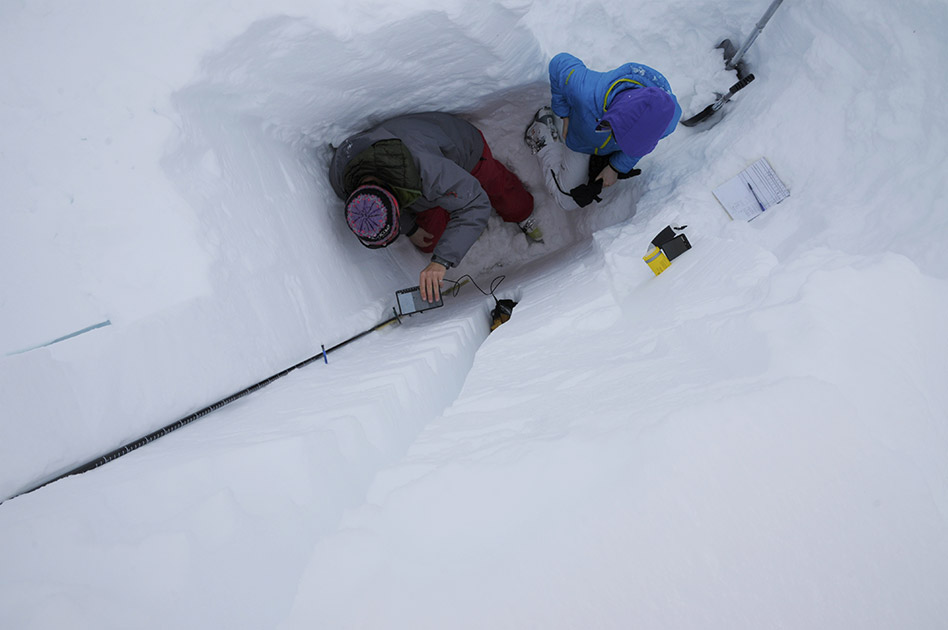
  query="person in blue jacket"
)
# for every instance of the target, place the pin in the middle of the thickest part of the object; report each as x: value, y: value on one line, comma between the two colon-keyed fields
x: 615, y: 117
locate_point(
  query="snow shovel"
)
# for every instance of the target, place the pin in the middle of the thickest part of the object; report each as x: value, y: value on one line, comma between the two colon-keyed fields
x: 732, y: 61
x: 706, y: 113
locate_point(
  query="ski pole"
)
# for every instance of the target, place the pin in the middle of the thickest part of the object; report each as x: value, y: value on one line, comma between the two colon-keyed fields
x: 750, y: 40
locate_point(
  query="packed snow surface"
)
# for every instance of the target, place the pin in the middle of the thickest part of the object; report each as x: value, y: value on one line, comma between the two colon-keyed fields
x: 755, y: 438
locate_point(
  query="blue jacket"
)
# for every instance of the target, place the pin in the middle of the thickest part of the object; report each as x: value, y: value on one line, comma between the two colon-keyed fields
x: 584, y: 95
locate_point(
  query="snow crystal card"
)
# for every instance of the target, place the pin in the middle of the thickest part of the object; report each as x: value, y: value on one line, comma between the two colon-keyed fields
x: 751, y: 192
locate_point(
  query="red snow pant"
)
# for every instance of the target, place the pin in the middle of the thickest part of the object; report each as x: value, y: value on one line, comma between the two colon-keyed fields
x: 506, y: 193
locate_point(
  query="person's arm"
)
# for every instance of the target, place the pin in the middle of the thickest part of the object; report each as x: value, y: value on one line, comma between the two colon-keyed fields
x: 448, y: 185
x: 622, y: 163
x: 564, y: 70
x: 469, y: 208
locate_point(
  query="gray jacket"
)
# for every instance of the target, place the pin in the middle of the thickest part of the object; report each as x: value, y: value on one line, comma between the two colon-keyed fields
x: 444, y: 149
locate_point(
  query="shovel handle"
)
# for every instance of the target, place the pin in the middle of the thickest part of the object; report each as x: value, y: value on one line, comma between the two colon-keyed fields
x: 740, y: 85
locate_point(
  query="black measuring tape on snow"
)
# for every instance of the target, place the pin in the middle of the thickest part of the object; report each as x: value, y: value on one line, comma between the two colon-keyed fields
x: 151, y: 437
x: 323, y: 354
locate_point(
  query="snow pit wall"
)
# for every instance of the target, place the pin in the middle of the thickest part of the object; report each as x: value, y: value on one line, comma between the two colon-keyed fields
x: 230, y: 265
x: 273, y: 274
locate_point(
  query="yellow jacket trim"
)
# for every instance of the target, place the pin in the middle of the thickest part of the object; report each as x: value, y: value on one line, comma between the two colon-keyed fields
x: 605, y: 100
x: 604, y: 143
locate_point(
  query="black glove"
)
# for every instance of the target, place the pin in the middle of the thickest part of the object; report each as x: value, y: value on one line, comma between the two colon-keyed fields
x: 584, y: 194
x: 632, y: 173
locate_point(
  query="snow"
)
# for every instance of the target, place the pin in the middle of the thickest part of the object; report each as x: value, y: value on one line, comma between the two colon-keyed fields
x: 755, y: 438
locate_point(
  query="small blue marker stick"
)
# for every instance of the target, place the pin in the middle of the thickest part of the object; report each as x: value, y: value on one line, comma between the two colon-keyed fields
x: 325, y: 358
x: 762, y: 208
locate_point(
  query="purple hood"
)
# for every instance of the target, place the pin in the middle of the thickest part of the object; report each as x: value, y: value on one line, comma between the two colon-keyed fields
x: 639, y: 118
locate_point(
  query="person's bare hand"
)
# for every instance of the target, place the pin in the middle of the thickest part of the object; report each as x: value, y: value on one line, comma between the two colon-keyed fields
x: 421, y: 238
x: 430, y: 281
x: 608, y: 176
x: 565, y: 126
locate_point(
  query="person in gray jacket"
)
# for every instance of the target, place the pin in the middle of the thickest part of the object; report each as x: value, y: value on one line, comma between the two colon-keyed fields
x: 431, y: 177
